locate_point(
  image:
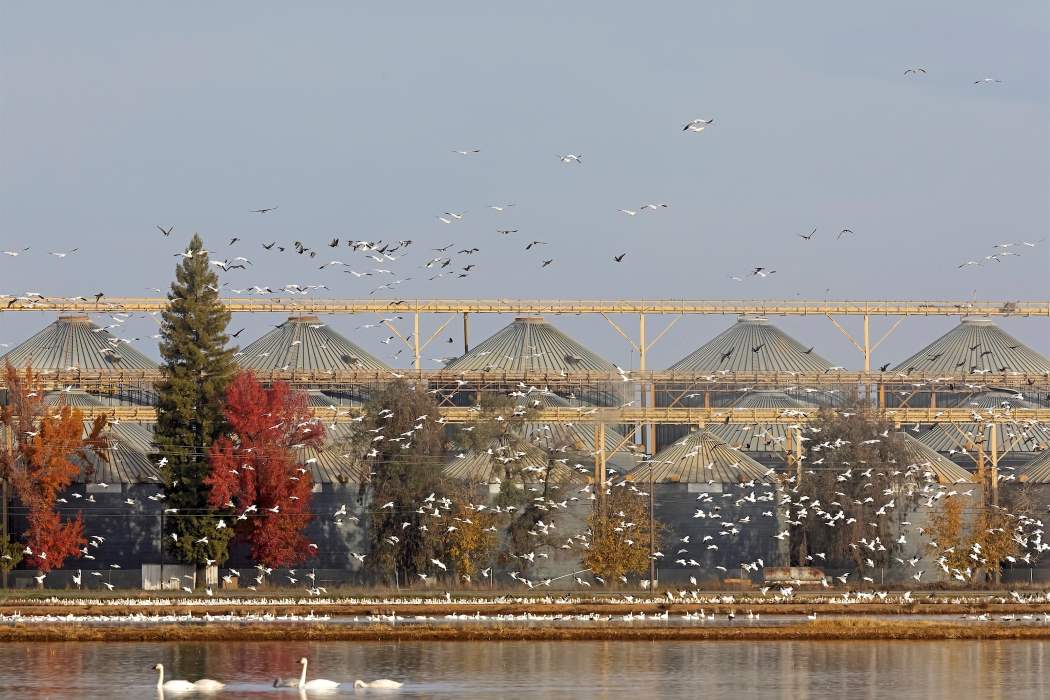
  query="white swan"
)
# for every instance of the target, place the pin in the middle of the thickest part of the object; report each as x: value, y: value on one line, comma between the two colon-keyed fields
x: 172, y: 686
x: 315, y: 684
x: 207, y: 685
x: 381, y: 683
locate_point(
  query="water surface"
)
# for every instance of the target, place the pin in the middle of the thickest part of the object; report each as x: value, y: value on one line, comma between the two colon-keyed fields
x: 553, y: 670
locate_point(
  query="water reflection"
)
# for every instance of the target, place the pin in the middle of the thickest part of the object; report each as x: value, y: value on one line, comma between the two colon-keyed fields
x: 554, y: 670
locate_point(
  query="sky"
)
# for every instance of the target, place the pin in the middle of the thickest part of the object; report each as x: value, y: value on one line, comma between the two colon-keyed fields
x: 117, y: 118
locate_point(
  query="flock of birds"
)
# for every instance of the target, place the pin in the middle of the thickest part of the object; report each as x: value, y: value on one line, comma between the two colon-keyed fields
x: 719, y: 520
x: 207, y: 685
x: 383, y: 263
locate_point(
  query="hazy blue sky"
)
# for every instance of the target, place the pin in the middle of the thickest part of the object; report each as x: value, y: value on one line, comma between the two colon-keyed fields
x: 119, y: 116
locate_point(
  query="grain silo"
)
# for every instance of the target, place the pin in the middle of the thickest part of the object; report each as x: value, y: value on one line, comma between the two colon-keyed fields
x: 752, y: 344
x: 531, y: 344
x: 308, y: 346
x: 970, y: 444
x: 975, y: 346
x: 766, y: 443
x: 712, y: 494
x: 576, y: 439
x: 72, y: 343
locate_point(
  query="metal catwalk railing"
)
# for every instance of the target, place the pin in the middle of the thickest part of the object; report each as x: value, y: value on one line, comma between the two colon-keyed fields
x: 772, y: 307
x: 651, y: 415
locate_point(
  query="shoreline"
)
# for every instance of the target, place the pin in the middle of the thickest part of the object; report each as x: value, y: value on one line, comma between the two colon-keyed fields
x: 740, y: 607
x: 843, y: 629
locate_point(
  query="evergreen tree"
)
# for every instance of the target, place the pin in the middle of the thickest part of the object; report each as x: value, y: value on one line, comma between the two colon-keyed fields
x: 197, y: 368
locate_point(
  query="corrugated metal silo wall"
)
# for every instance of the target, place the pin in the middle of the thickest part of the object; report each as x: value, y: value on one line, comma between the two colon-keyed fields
x: 675, y: 507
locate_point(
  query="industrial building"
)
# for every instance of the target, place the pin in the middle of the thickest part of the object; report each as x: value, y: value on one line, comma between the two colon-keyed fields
x: 752, y: 367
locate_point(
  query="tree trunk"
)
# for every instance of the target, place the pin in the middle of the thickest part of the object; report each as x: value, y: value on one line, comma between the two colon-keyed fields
x: 200, y: 578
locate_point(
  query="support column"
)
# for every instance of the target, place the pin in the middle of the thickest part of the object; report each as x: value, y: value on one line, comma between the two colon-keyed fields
x: 466, y: 332
x: 867, y: 346
x: 415, y: 340
x: 798, y: 456
x: 646, y: 389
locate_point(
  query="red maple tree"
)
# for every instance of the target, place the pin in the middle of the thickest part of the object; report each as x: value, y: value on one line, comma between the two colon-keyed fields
x: 256, y: 465
x: 39, y: 448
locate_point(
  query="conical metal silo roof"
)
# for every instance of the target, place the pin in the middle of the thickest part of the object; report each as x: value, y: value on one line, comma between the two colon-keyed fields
x: 572, y: 437
x: 525, y: 460
x: 334, y: 462
x: 1003, y: 400
x: 75, y: 343
x: 976, y: 344
x: 127, y: 459
x: 1037, y: 471
x: 765, y: 398
x: 936, y: 467
x: 769, y: 438
x: 700, y: 457
x: 752, y: 345
x: 1016, y: 437
x: 75, y: 398
x: 530, y: 344
x: 305, y: 343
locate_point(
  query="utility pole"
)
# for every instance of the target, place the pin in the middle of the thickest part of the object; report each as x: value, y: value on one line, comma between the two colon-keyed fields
x: 9, y: 458
x: 652, y: 531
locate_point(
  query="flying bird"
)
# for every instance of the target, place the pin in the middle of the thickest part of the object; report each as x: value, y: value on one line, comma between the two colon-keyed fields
x: 698, y: 125
x: 265, y: 210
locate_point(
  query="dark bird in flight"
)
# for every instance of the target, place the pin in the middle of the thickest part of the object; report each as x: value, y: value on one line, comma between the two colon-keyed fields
x: 269, y: 245
x: 334, y: 243
x: 529, y: 246
x: 233, y: 240
x: 237, y: 333
x: 267, y: 210
x: 166, y: 231
x: 758, y: 347
x: 98, y: 296
x: 915, y: 71
x: 885, y: 367
x: 807, y: 352
x: 547, y: 262
x: 726, y: 355
x: 506, y: 231
x: 620, y: 257
x: 807, y: 237
x: 842, y: 233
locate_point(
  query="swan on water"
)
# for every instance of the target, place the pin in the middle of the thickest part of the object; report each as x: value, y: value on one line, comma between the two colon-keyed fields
x: 315, y: 684
x: 381, y: 683
x: 204, y: 685
x: 207, y: 685
x: 172, y: 686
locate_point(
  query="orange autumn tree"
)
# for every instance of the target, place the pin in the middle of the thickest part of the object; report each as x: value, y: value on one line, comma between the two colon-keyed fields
x: 37, y: 460
x: 255, y: 465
